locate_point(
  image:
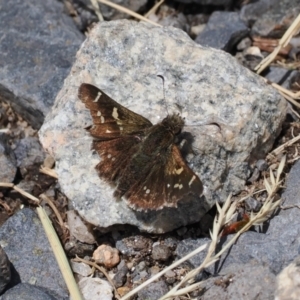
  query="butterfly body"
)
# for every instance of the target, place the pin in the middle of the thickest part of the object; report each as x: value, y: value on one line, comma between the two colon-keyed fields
x: 140, y: 159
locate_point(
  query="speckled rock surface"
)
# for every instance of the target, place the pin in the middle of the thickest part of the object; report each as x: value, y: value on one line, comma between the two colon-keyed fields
x: 5, y: 273
x: 37, y: 49
x: 241, y: 281
x: 25, y: 291
x: 277, y: 19
x: 235, y: 117
x: 8, y: 160
x: 288, y: 282
x: 23, y: 239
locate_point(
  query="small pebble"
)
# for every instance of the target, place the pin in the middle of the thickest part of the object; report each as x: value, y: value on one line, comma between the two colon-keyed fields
x: 107, y: 256
x: 252, y: 204
x: 170, y: 277
x: 161, y: 253
x: 262, y: 165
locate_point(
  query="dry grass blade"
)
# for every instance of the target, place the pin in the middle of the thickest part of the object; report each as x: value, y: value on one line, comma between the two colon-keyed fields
x: 22, y: 192
x: 288, y: 98
x: 285, y: 91
x: 59, y: 255
x: 6, y: 184
x: 280, y: 169
x: 158, y: 275
x: 49, y: 172
x: 56, y: 212
x: 55, y: 245
x: 281, y: 148
x: 25, y: 194
x: 127, y: 11
x: 292, y: 30
x: 97, y: 11
x: 154, y: 8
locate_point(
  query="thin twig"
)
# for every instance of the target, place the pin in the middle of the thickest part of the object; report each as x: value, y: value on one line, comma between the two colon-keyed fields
x: 280, y: 149
x: 128, y: 11
x: 49, y: 172
x: 19, y: 190
x: 158, y: 275
x: 101, y: 269
x: 56, y: 212
x: 97, y: 10
x: 6, y: 184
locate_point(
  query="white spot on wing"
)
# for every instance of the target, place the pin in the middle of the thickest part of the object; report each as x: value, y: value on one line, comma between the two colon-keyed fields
x: 179, y: 171
x: 98, y: 96
x: 109, y: 156
x: 107, y: 131
x: 115, y: 113
x: 147, y: 191
x: 102, y: 119
x: 192, y: 180
x: 179, y: 186
x: 98, y: 113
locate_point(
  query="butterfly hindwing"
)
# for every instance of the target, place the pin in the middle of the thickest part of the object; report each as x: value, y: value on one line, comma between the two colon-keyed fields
x: 166, y: 184
x: 115, y: 155
x: 110, y: 119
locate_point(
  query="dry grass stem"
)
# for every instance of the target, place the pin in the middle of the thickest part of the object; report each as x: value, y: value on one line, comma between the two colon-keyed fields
x: 6, y: 184
x: 289, y: 206
x: 292, y: 30
x: 25, y: 194
x: 56, y: 212
x: 22, y: 192
x: 49, y: 172
x: 154, y: 8
x: 282, y: 147
x: 158, y: 275
x: 127, y: 11
x: 96, y: 8
x: 59, y: 255
x: 101, y: 269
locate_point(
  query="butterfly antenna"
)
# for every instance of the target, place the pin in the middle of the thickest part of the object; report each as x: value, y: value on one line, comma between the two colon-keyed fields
x: 163, y: 81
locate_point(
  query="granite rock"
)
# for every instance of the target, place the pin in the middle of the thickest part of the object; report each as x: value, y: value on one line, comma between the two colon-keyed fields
x: 231, y: 116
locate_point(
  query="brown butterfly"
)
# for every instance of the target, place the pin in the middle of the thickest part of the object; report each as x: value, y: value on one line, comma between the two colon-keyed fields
x: 140, y: 159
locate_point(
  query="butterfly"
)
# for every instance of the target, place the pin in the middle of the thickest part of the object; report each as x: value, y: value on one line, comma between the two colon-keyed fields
x: 139, y: 159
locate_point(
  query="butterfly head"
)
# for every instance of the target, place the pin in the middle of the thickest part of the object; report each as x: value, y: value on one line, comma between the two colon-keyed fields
x: 173, y: 123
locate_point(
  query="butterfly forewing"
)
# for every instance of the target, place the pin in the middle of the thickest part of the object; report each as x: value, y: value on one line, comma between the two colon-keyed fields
x: 110, y: 119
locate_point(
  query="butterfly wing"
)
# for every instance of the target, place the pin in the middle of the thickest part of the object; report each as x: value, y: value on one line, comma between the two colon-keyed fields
x: 115, y: 155
x: 111, y: 120
x: 166, y: 183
